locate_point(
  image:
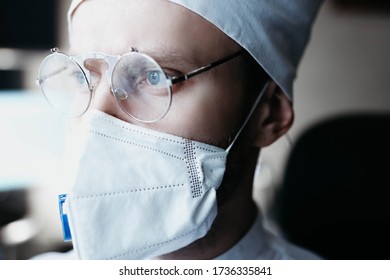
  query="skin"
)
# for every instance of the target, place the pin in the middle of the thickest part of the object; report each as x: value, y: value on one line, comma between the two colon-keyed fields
x: 207, y: 108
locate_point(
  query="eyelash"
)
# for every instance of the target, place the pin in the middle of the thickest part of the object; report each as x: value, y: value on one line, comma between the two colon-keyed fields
x: 171, y: 73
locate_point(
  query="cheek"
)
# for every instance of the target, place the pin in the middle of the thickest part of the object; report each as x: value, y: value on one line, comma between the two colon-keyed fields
x: 207, y: 112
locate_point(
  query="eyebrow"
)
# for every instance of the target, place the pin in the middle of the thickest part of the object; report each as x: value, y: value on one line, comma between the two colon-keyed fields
x: 166, y: 57
x: 172, y: 57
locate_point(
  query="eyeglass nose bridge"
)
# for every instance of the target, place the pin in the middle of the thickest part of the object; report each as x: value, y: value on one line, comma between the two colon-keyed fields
x: 110, y: 59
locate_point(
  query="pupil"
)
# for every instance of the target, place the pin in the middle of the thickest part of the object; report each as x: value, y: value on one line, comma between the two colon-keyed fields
x: 154, y: 78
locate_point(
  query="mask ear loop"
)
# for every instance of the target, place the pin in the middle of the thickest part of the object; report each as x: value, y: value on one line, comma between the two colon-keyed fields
x: 249, y: 116
x: 289, y: 140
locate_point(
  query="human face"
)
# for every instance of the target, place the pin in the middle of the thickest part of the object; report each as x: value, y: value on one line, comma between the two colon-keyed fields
x: 206, y: 108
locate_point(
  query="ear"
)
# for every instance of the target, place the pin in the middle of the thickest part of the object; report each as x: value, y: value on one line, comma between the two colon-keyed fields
x: 274, y: 116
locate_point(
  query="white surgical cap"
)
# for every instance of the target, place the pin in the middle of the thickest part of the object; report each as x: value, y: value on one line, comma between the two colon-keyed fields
x: 274, y: 32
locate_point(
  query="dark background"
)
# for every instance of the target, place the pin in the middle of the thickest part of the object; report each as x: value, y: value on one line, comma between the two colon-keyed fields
x: 28, y: 24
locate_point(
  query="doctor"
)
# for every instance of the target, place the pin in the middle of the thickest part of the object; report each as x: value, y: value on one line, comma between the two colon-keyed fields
x: 173, y: 101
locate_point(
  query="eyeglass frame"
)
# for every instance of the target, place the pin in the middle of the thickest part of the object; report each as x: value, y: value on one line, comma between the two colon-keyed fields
x: 112, y: 60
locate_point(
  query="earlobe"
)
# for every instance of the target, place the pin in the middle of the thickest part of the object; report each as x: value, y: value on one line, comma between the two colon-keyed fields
x: 275, y: 116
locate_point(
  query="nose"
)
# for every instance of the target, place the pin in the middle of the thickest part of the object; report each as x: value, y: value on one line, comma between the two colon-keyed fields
x: 102, y: 97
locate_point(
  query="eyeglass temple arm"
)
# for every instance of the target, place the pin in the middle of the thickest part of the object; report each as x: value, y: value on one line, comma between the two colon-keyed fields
x: 202, y: 69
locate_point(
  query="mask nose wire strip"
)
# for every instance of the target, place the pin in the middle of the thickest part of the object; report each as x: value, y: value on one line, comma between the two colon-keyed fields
x: 249, y: 116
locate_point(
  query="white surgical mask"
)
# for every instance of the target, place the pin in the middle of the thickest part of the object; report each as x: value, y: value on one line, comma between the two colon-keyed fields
x: 138, y: 193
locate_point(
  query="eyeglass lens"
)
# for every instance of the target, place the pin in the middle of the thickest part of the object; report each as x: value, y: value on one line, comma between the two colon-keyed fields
x: 138, y: 83
x: 141, y: 87
x: 64, y: 85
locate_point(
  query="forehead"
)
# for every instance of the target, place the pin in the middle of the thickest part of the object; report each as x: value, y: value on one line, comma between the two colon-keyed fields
x: 151, y: 26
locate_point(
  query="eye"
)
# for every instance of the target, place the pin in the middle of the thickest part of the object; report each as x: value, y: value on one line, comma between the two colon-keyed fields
x: 155, y: 78
x: 78, y: 76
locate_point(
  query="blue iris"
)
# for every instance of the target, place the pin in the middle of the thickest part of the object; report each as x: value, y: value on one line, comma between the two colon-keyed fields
x: 79, y: 76
x: 154, y: 78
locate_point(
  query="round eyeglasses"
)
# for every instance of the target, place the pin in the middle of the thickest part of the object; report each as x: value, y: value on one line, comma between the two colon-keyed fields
x: 141, y: 87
